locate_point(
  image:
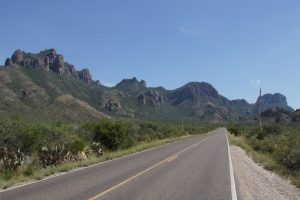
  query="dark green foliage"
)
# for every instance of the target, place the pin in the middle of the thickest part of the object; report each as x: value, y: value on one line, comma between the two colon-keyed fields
x: 115, y: 135
x: 235, y: 129
x: 281, y: 143
x: 272, y: 129
x: 26, y: 147
x: 287, y: 153
x: 13, y: 145
x: 148, y: 132
x: 76, y: 146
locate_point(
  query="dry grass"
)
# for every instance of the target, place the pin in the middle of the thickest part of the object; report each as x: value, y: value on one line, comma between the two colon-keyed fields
x: 265, y: 160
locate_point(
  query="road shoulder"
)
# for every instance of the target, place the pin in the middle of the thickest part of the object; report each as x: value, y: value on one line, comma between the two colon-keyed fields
x: 257, y: 183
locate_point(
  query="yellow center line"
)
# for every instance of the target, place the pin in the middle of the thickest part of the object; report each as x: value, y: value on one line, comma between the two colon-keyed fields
x: 144, y: 171
x: 173, y: 157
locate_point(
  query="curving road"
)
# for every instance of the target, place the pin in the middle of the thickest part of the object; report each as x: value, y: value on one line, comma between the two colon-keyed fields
x: 194, y: 168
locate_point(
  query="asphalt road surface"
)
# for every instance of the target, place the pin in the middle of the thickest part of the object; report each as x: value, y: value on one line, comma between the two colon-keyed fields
x: 194, y: 168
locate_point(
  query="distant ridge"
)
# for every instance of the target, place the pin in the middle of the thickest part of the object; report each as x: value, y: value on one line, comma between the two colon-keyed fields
x: 43, y: 86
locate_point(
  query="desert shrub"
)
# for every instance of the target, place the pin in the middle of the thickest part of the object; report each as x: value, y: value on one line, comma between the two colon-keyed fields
x: 7, y: 174
x: 272, y: 129
x: 97, y: 148
x: 148, y: 132
x: 235, y: 130
x: 261, y: 135
x: 287, y: 153
x: 76, y: 146
x: 266, y: 145
x: 166, y: 132
x: 12, y: 146
x: 52, y: 154
x: 115, y: 135
x: 53, y: 149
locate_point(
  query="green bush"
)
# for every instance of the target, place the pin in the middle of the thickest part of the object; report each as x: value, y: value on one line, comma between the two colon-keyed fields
x: 267, y: 145
x: 148, y: 132
x: 166, y: 132
x: 272, y: 129
x: 287, y: 153
x: 235, y: 130
x: 115, y: 135
x: 12, y: 145
x: 76, y: 146
x: 52, y: 154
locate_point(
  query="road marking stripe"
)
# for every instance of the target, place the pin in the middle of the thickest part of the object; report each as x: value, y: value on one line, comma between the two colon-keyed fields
x: 55, y: 175
x: 232, y: 181
x: 144, y: 171
x: 173, y: 158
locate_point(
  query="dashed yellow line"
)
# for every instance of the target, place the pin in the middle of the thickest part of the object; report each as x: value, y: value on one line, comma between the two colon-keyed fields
x: 145, y: 171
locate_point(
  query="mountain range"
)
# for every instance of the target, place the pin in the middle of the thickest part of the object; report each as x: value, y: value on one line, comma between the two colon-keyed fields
x: 43, y: 86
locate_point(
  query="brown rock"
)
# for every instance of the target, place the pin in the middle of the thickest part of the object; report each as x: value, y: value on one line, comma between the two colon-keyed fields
x: 17, y: 56
x: 58, y: 66
x: 113, y: 105
x: 152, y: 98
x: 38, y: 63
x: 51, y: 53
x: 71, y: 71
x: 85, y: 76
x: 47, y: 63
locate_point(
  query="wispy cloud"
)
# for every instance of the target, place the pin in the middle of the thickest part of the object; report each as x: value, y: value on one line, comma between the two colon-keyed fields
x: 192, y: 31
x: 255, y: 82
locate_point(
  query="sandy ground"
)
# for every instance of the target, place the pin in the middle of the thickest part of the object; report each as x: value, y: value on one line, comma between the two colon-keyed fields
x: 254, y: 182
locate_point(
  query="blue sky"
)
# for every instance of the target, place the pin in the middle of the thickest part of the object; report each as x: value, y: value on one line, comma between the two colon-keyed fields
x: 237, y: 46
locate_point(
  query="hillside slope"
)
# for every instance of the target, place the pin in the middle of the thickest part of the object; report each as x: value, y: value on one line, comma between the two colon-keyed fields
x: 43, y: 86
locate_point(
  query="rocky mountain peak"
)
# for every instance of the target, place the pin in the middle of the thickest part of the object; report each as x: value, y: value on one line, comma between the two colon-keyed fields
x: 132, y: 86
x: 201, y: 88
x: 49, y: 59
x: 273, y: 101
x: 193, y: 91
x: 17, y: 56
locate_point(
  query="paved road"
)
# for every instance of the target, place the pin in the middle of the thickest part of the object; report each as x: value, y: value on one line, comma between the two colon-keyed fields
x: 194, y: 168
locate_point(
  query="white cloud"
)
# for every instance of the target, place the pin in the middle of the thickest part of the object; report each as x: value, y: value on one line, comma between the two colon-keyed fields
x: 192, y: 32
x: 255, y: 82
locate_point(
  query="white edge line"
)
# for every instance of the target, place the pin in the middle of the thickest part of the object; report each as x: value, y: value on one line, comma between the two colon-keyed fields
x: 232, y: 181
x: 30, y: 182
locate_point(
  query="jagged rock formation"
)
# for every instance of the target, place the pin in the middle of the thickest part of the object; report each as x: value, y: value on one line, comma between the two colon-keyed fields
x: 152, y: 98
x: 85, y: 76
x: 132, y: 86
x: 204, y: 102
x: 58, y: 65
x: 273, y: 101
x: 48, y: 60
x: 17, y: 56
x: 111, y: 100
x: 35, y: 90
x: 193, y: 92
x: 281, y: 115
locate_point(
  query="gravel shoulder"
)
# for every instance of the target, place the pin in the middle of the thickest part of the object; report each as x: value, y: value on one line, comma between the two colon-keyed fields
x: 254, y: 182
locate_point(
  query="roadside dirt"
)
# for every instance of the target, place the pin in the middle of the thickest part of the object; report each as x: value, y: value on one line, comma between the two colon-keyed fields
x: 254, y: 182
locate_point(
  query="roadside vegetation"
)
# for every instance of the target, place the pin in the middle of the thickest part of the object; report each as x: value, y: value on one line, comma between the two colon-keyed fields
x: 34, y: 150
x: 277, y: 148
